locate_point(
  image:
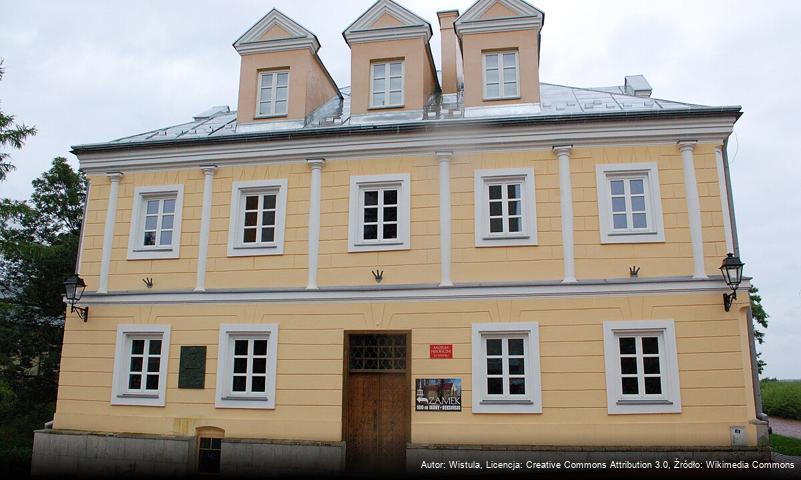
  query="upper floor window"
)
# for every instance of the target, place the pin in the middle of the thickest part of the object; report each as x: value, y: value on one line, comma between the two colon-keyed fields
x: 246, y: 366
x: 501, y: 79
x: 629, y: 203
x: 156, y: 222
x: 273, y: 93
x: 505, y: 207
x: 386, y: 84
x: 641, y: 367
x: 258, y: 212
x: 140, y: 369
x: 506, y: 372
x: 379, y: 212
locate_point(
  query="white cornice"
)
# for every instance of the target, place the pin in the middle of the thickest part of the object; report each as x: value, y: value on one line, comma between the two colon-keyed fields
x: 467, y: 138
x: 528, y: 17
x: 663, y: 286
x: 300, y: 37
x: 411, y: 26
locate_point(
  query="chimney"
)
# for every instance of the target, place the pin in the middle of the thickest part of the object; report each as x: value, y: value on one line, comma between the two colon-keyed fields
x: 451, y: 55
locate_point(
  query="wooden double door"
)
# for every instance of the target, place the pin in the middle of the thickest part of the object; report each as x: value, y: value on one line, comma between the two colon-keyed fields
x: 377, y: 401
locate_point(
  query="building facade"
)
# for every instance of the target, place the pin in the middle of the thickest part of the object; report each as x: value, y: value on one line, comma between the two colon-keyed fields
x: 463, y: 263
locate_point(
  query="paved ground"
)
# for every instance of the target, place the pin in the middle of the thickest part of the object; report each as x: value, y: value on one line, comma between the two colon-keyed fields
x: 786, y: 427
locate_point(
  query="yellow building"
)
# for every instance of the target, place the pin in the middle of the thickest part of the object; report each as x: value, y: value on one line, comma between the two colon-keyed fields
x: 427, y: 265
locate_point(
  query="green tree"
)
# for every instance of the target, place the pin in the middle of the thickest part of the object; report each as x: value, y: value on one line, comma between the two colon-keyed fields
x: 11, y: 135
x: 38, y: 248
x: 760, y: 316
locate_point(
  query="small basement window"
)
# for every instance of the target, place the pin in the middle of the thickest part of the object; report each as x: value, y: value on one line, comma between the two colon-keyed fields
x: 208, y: 455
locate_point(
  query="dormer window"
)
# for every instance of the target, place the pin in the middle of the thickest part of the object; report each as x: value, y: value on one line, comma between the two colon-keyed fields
x: 386, y: 86
x: 273, y: 93
x: 501, y: 79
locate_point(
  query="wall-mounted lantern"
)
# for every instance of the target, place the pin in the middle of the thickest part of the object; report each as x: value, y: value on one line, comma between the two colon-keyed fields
x: 75, y: 286
x: 732, y: 270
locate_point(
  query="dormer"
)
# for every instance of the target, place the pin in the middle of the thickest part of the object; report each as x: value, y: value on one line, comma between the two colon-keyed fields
x: 392, y: 69
x: 500, y: 42
x: 281, y: 78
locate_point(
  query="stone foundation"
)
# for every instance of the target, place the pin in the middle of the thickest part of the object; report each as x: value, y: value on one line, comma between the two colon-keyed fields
x: 57, y: 452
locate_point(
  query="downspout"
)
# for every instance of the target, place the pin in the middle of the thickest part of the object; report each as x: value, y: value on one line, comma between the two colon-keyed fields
x: 735, y: 242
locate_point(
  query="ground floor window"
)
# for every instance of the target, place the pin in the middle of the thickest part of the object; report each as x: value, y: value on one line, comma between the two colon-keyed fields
x: 246, y: 366
x: 208, y: 455
x: 506, y: 369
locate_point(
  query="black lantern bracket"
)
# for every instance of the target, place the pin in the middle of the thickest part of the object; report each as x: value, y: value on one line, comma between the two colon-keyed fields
x: 74, y: 286
x: 732, y: 270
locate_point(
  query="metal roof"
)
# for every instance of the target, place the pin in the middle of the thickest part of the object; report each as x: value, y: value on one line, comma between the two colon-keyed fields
x: 556, y: 101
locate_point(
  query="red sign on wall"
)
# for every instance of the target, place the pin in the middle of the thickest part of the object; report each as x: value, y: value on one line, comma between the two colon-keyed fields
x: 440, y: 350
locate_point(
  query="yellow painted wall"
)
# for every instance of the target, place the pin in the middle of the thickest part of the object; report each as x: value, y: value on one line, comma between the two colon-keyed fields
x: 711, y: 345
x: 420, y: 264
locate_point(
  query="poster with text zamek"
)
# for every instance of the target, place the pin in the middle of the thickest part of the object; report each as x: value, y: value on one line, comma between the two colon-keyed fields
x: 438, y: 395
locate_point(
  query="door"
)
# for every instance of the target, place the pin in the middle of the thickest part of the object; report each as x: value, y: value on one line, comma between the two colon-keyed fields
x: 377, y: 415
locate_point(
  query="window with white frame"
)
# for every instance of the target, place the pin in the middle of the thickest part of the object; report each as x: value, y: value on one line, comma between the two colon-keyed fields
x: 629, y: 203
x: 505, y: 207
x: 156, y: 222
x: 379, y: 212
x: 246, y: 366
x: 386, y: 84
x: 273, y: 93
x: 641, y: 367
x: 506, y: 368
x: 501, y: 79
x: 140, y: 365
x: 258, y: 213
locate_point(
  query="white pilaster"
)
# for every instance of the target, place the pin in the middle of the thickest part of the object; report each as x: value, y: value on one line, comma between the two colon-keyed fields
x: 693, y: 207
x: 316, y: 165
x: 108, y: 231
x: 205, y: 221
x: 566, y: 203
x: 444, y: 159
x: 724, y: 199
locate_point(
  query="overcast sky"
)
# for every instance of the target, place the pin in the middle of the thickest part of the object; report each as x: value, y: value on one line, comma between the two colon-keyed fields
x: 93, y: 71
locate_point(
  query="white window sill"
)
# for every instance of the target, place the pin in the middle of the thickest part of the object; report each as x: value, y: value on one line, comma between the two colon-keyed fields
x: 633, y: 237
x: 245, y: 402
x: 506, y: 241
x: 506, y: 406
x: 274, y: 115
x: 139, y: 395
x: 378, y: 247
x: 144, y: 400
x: 385, y: 107
x: 152, y: 253
x: 256, y: 250
x: 644, y: 402
x: 495, y: 99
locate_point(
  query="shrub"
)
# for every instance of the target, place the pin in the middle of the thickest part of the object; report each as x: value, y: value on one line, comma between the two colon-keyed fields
x: 781, y: 398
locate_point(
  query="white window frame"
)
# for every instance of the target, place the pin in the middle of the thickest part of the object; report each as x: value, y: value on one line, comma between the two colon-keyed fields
x: 225, y: 397
x: 387, y: 82
x: 236, y: 246
x: 136, y: 248
x: 531, y: 402
x: 274, y: 93
x: 670, y: 399
x: 653, y: 202
x: 528, y: 233
x: 120, y: 395
x: 501, y: 79
x: 358, y: 184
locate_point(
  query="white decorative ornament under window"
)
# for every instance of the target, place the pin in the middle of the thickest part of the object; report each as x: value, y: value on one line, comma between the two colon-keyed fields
x: 501, y: 76
x: 379, y: 213
x: 257, y: 219
x: 386, y: 84
x: 506, y: 368
x: 642, y: 374
x: 629, y: 203
x: 140, y: 365
x: 246, y: 366
x: 273, y: 95
x: 505, y: 207
x: 156, y: 222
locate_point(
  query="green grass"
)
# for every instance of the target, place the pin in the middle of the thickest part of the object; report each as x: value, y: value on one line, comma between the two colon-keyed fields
x: 786, y: 445
x: 781, y: 398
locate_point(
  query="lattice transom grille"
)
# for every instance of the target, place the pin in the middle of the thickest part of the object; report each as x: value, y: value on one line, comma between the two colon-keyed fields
x: 370, y: 353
